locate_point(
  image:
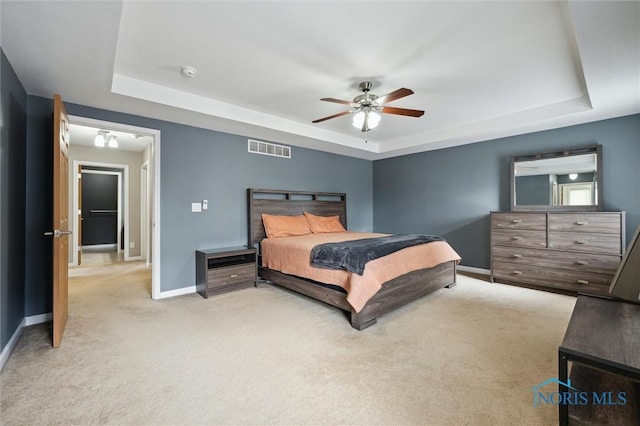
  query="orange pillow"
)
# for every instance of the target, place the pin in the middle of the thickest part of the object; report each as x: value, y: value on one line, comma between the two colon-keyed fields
x: 320, y: 224
x: 285, y: 226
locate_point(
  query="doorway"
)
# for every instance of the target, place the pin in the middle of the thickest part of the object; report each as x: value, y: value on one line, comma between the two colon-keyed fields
x: 100, y: 215
x: 139, y: 239
x: 100, y: 199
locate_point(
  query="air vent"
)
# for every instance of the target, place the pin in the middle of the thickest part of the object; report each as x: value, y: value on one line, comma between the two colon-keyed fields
x: 267, y: 148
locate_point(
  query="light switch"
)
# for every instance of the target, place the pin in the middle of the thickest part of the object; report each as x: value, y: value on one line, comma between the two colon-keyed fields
x: 205, y: 204
x: 196, y: 207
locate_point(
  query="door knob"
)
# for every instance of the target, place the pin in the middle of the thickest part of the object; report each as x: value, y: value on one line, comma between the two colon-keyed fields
x: 57, y: 233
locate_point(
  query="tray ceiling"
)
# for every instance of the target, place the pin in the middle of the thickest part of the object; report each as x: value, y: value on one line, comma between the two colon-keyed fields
x: 481, y: 70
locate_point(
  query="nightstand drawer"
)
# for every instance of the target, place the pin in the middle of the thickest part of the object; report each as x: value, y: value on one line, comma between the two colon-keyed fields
x: 231, y: 275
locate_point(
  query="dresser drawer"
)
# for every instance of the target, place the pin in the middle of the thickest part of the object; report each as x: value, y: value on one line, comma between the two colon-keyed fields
x: 230, y: 275
x: 533, y: 221
x: 602, y: 223
x: 583, y: 262
x: 555, y: 278
x: 519, y: 238
x: 586, y: 242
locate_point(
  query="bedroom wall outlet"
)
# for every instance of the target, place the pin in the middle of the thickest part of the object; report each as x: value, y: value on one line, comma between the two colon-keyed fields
x: 205, y: 204
x: 132, y: 244
x: 196, y: 207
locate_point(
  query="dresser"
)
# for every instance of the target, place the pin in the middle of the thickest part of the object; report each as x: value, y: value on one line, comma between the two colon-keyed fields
x: 567, y: 252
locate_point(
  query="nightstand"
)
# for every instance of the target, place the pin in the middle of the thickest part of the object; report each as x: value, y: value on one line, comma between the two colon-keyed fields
x: 225, y: 269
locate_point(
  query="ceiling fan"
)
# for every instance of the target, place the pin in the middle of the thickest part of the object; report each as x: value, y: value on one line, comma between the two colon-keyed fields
x: 367, y: 106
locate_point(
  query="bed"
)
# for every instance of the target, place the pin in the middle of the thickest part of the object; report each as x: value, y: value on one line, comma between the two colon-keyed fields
x: 397, y: 291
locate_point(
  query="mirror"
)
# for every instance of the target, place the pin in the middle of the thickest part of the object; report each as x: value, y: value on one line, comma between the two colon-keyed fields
x: 568, y: 180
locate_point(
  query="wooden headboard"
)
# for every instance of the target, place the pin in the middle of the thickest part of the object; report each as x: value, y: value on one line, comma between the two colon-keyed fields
x: 290, y: 203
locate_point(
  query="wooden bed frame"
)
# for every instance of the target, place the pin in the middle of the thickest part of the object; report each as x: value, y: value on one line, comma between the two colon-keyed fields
x: 393, y: 294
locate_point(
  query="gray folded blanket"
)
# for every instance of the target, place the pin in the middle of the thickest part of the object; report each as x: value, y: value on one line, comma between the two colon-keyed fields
x: 354, y: 255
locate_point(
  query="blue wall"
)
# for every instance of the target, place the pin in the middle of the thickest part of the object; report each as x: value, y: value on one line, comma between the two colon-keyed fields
x: 13, y: 125
x: 196, y: 164
x: 451, y: 191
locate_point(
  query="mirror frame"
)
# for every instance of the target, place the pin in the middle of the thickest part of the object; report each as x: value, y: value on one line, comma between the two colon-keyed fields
x: 597, y: 149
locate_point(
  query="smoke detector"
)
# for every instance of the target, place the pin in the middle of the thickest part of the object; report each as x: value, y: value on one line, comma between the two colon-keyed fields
x: 188, y: 71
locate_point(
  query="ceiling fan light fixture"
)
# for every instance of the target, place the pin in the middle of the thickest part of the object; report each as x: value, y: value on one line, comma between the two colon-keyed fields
x: 374, y: 119
x: 366, y: 107
x: 366, y: 120
x: 358, y: 119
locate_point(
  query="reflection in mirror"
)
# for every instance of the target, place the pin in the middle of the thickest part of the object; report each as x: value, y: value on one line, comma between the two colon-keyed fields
x: 566, y: 180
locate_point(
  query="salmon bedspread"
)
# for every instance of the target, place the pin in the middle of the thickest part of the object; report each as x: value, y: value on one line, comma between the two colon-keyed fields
x: 291, y: 255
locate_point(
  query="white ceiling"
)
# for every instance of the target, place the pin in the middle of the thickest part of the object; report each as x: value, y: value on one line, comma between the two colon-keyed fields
x: 480, y: 69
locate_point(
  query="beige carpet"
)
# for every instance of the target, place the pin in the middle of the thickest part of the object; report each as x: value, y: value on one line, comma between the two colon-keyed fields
x: 466, y: 355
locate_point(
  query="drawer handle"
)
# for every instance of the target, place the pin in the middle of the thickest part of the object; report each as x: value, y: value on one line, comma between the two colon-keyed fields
x: 581, y: 222
x: 517, y: 220
x: 517, y: 272
x: 517, y: 256
x: 233, y: 276
x: 581, y: 242
x: 583, y: 282
x: 582, y: 262
x: 517, y: 238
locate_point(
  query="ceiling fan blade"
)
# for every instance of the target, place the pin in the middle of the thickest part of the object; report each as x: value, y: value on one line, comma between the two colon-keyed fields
x: 402, y: 111
x: 396, y: 94
x: 336, y: 101
x: 340, y: 114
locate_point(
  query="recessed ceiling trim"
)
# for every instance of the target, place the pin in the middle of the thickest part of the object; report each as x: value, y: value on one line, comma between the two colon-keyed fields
x: 128, y: 86
x: 499, y: 126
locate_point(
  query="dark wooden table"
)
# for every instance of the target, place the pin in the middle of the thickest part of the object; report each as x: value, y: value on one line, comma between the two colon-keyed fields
x: 603, y: 334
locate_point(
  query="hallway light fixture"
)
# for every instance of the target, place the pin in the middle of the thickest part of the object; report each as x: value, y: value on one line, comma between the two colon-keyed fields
x: 103, y: 138
x: 100, y: 139
x: 113, y: 141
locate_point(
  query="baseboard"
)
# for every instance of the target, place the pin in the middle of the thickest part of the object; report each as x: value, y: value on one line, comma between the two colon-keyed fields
x: 26, y: 321
x: 11, y: 344
x: 38, y: 319
x: 473, y: 270
x: 100, y: 247
x: 177, y: 292
x: 130, y: 258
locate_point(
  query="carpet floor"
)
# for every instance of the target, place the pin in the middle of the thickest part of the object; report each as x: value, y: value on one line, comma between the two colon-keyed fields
x: 466, y: 355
